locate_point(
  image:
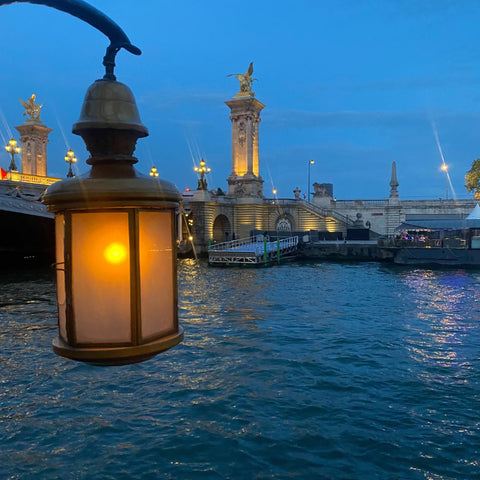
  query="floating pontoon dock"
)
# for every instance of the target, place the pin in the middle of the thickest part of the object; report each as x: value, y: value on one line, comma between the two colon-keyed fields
x: 256, y: 250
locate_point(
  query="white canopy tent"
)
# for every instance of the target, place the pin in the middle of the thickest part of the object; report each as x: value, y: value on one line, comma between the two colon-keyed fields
x: 475, y: 213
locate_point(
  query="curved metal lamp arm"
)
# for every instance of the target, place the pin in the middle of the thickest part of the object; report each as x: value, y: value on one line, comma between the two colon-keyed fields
x: 97, y: 19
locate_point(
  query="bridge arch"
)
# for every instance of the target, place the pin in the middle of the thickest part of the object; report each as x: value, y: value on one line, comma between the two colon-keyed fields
x: 222, y: 229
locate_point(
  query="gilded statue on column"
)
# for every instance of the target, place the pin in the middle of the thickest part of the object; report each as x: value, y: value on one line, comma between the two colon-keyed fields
x: 246, y: 81
x: 32, y: 109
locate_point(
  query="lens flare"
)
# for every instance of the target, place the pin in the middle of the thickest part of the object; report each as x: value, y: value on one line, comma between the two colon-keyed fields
x: 444, y: 166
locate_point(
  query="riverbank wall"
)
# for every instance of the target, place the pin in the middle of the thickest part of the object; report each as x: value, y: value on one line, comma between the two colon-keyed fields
x: 346, y: 250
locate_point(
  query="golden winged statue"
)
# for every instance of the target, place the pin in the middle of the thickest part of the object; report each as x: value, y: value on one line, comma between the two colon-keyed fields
x: 31, y: 108
x: 245, y: 79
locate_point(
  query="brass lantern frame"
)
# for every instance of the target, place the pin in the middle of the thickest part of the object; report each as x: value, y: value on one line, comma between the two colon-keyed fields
x: 110, y: 126
x: 114, y: 195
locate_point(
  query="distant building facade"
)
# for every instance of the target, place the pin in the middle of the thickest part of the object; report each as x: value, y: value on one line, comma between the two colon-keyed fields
x: 217, y: 216
x: 383, y: 216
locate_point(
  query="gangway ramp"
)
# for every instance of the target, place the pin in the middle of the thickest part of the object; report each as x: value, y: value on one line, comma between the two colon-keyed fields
x: 258, y: 250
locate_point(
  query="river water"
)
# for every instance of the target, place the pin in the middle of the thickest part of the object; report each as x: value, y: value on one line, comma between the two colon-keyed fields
x: 303, y: 371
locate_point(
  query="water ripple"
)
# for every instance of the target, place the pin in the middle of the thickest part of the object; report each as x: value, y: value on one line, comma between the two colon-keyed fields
x: 325, y: 371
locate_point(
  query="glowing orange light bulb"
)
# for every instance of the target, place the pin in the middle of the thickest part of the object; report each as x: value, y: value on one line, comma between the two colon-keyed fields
x: 115, y: 253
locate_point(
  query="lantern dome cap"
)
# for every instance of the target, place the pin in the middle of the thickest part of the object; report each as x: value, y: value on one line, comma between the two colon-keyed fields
x: 109, y: 104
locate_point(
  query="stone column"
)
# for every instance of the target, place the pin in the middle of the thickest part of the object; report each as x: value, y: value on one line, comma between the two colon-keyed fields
x: 394, y: 209
x: 245, y: 180
x: 34, y: 139
x: 394, y: 197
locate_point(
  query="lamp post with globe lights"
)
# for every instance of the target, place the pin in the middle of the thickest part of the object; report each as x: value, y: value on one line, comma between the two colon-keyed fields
x: 202, y: 170
x: 13, y: 149
x: 70, y: 158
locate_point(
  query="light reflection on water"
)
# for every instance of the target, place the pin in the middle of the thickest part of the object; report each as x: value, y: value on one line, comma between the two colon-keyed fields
x: 442, y: 301
x: 315, y: 370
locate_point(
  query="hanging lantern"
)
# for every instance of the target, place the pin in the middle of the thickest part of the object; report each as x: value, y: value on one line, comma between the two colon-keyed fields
x: 115, y: 242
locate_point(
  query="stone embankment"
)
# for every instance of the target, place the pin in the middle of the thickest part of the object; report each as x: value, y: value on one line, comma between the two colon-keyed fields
x: 349, y: 250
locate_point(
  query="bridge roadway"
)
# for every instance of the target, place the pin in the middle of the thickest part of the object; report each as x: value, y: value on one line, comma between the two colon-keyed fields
x: 256, y: 250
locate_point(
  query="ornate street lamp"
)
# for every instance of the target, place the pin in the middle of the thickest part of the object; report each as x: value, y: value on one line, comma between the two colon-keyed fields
x: 202, y: 170
x: 70, y: 158
x: 153, y: 172
x: 114, y: 229
x: 13, y: 149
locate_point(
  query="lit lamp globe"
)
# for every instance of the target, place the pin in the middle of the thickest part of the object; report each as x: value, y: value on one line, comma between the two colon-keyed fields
x: 115, y: 242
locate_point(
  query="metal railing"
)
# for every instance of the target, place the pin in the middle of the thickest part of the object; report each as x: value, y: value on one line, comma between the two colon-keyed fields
x: 232, y: 244
x: 251, y: 250
x: 254, y: 245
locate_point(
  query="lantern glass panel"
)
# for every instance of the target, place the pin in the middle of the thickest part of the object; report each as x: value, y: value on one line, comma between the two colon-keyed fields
x: 101, y: 278
x: 60, y: 256
x: 158, y: 296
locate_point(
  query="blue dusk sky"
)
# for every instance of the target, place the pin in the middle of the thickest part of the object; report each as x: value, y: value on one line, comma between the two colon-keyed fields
x: 351, y: 84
